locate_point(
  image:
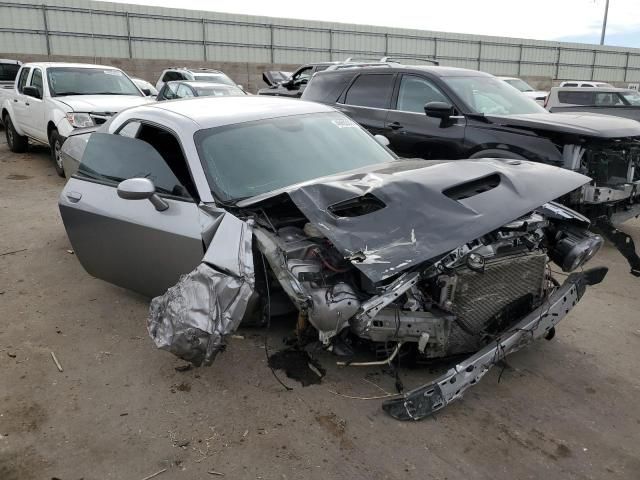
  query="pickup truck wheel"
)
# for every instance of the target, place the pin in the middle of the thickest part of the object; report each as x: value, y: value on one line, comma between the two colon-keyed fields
x: 55, y: 142
x: 17, y: 143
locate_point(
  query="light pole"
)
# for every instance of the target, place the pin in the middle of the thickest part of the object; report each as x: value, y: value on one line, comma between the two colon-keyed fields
x: 604, y: 22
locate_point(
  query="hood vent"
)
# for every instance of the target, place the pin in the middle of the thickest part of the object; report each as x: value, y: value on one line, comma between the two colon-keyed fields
x: 357, y: 207
x: 473, y: 188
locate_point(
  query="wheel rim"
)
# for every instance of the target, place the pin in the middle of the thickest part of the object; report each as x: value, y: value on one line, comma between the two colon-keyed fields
x: 57, y: 155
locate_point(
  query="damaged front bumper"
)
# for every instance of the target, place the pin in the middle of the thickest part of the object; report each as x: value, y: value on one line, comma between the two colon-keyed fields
x: 428, y: 399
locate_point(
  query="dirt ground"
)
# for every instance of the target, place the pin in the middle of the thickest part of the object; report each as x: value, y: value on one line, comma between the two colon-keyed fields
x: 564, y: 409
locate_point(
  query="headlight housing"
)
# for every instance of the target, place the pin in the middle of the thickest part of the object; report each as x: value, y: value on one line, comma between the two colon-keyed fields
x: 80, y: 120
x: 574, y: 247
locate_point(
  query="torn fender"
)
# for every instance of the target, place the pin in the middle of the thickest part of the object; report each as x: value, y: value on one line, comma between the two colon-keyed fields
x: 194, y: 317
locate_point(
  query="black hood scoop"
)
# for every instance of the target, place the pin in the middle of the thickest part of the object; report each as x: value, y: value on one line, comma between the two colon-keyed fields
x: 402, y: 215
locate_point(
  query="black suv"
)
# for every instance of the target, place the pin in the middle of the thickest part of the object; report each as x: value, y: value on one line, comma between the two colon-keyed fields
x: 294, y: 85
x: 435, y: 112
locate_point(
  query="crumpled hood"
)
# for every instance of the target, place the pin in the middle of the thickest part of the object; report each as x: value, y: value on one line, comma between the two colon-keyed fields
x: 588, y: 124
x: 419, y: 222
x: 102, y: 103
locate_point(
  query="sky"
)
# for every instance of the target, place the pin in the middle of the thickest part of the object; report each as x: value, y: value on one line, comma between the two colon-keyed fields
x: 565, y: 20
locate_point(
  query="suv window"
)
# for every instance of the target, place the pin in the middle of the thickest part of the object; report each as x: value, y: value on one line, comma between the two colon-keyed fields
x: 154, y: 153
x: 22, y: 81
x: 415, y: 92
x: 370, y: 90
x: 171, y: 76
x: 569, y: 84
x: 576, y: 98
x: 36, y: 80
x: 608, y: 99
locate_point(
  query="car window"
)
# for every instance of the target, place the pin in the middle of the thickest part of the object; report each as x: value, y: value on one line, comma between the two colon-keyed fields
x: 632, y: 97
x: 169, y: 92
x: 130, y: 129
x: 154, y: 154
x: 302, y: 76
x: 218, y: 91
x: 370, y: 90
x: 415, y: 92
x: 8, y: 71
x: 213, y: 78
x: 22, y: 81
x: 250, y: 158
x: 172, y: 76
x: 576, y: 98
x: 184, y: 91
x: 608, y: 99
x: 36, y: 80
x: 65, y: 81
x: 567, y: 84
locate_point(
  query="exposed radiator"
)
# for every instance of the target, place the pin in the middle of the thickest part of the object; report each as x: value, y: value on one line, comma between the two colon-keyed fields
x: 480, y: 299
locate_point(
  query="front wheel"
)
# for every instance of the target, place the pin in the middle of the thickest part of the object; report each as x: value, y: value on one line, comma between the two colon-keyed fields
x: 55, y: 142
x: 17, y: 143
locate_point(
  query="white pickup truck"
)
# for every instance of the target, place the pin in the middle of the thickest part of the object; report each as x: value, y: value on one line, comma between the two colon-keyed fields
x: 50, y: 100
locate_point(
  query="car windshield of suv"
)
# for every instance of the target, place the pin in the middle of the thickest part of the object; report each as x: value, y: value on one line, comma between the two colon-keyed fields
x: 248, y: 159
x: 218, y: 91
x: 214, y: 77
x: 89, y: 81
x: 632, y: 97
x: 519, y: 84
x: 490, y: 96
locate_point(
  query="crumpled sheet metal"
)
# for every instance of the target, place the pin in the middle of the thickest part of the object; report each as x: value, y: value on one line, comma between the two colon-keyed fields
x: 194, y: 317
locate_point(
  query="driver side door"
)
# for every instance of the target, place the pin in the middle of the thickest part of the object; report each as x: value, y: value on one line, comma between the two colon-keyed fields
x: 411, y: 132
x: 129, y: 242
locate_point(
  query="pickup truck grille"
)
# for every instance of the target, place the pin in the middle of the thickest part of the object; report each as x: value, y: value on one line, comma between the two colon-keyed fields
x: 487, y: 302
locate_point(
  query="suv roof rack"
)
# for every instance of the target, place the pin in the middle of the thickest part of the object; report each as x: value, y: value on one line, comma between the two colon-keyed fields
x: 409, y: 57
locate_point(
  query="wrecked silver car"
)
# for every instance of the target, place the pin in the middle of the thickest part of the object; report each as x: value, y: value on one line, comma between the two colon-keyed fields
x: 224, y: 208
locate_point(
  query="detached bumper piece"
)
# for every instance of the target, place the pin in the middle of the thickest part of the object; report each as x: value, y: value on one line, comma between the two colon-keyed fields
x: 428, y: 399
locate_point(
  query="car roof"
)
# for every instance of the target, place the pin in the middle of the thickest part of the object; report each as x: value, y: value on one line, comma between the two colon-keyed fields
x: 594, y: 89
x: 65, y: 64
x: 202, y: 83
x: 210, y: 112
x: 435, y: 70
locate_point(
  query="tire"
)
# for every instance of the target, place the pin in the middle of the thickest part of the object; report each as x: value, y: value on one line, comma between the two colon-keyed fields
x: 55, y: 142
x: 17, y: 143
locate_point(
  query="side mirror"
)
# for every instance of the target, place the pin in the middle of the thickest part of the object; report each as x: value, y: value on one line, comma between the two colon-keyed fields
x: 438, y: 110
x: 147, y: 92
x: 31, y: 91
x: 382, y: 140
x: 141, y: 189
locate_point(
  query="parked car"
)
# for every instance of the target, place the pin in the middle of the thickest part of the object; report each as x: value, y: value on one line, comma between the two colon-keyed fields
x: 194, y: 74
x: 147, y: 88
x: 188, y: 89
x: 445, y: 112
x: 580, y: 84
x: 8, y: 72
x: 538, y: 95
x: 619, y: 102
x: 250, y: 199
x: 50, y: 100
x: 294, y: 85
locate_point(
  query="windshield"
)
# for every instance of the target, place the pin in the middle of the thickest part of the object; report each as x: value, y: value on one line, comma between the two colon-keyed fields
x: 490, y: 96
x: 632, y: 97
x: 248, y: 159
x: 89, y: 81
x: 214, y: 77
x: 519, y: 84
x: 218, y: 91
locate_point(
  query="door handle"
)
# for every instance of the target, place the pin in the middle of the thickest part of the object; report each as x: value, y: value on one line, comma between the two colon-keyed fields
x: 15, y: 100
x: 74, y: 197
x: 26, y: 104
x: 395, y: 126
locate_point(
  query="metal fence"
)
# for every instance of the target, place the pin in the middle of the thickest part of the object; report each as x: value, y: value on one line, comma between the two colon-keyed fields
x: 69, y: 27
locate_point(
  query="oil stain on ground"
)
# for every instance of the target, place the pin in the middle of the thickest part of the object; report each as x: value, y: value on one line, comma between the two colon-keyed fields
x: 298, y: 365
